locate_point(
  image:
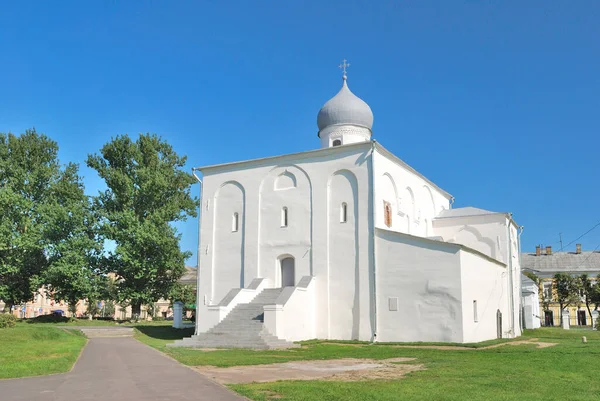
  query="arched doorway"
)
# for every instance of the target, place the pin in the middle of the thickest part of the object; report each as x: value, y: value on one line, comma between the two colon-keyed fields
x: 288, y: 278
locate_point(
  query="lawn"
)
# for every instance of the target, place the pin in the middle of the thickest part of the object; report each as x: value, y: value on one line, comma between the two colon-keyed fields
x: 32, y: 350
x: 512, y: 372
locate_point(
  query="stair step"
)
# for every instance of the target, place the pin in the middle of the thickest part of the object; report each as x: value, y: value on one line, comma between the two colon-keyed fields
x: 243, y: 327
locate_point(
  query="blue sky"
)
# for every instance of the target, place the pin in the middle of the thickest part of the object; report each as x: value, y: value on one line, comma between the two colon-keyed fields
x: 496, y: 102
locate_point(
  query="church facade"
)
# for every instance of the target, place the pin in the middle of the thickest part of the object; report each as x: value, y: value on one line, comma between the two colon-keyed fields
x: 349, y: 242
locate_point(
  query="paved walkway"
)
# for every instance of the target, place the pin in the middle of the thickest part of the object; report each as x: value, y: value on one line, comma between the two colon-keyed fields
x: 118, y: 369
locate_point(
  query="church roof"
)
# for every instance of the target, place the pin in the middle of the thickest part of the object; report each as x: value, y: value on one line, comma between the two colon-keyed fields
x: 586, y: 261
x: 311, y: 153
x: 465, y: 212
x: 345, y: 108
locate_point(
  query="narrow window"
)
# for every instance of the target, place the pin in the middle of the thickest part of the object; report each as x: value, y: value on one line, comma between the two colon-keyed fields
x: 475, y: 311
x: 337, y: 142
x: 235, y: 222
x: 344, y: 213
x: 284, y: 217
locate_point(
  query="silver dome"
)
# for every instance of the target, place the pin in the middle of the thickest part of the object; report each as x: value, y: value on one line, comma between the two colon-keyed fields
x: 345, y: 108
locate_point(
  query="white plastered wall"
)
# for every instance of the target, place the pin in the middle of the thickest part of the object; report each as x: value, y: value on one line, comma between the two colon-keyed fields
x: 415, y: 202
x: 484, y: 281
x: 322, y: 178
x: 423, y: 277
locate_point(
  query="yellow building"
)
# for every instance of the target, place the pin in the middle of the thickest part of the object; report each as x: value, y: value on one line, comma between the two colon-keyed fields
x: 545, y: 263
x: 43, y: 304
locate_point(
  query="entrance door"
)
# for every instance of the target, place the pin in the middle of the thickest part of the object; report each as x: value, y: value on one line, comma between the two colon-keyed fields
x: 548, y: 318
x: 581, y: 318
x: 287, y: 272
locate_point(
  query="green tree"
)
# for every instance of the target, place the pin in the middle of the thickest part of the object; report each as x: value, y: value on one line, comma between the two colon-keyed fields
x: 587, y: 290
x: 595, y: 293
x: 75, y: 247
x: 184, y: 293
x: 147, y: 191
x: 33, y: 186
x: 567, y: 291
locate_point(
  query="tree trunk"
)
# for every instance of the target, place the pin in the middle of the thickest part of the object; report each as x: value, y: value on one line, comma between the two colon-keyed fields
x: 7, y: 307
x: 136, y: 310
x: 587, y: 305
x: 561, y: 313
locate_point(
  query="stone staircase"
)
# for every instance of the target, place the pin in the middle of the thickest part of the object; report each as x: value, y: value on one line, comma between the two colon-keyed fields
x: 242, y: 328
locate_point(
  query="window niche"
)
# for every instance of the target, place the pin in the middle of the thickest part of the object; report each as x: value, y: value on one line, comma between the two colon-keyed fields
x: 284, y: 217
x: 337, y: 142
x: 235, y: 222
x: 344, y: 213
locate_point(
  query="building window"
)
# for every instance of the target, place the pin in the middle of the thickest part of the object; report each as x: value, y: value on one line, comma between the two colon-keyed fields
x: 475, y: 319
x: 284, y: 217
x: 548, y: 291
x: 387, y: 213
x: 337, y: 142
x: 235, y: 222
x: 344, y: 213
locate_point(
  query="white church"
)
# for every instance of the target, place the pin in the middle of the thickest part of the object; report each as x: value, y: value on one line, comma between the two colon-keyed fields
x: 348, y: 242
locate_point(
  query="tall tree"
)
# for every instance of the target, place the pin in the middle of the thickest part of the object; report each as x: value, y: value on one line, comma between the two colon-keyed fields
x: 45, y: 227
x: 147, y: 191
x: 29, y: 169
x: 73, y: 273
x: 566, y: 290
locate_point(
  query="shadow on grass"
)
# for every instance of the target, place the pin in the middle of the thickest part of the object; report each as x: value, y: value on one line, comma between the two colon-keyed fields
x: 165, y: 332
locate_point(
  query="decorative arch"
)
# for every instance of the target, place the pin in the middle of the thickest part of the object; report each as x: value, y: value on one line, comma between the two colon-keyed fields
x: 229, y: 203
x: 285, y: 180
x: 408, y: 202
x: 285, y: 185
x: 343, y: 279
x: 391, y: 192
x: 473, y: 238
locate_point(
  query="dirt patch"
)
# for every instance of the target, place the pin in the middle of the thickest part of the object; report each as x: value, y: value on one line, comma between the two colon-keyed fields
x: 458, y: 348
x: 533, y: 341
x: 334, y: 369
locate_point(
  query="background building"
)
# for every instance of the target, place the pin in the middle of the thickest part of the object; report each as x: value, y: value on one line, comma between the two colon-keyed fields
x: 545, y: 263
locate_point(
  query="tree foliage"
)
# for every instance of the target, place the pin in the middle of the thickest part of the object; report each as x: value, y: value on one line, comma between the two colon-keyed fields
x: 147, y: 191
x: 46, y: 232
x: 567, y: 290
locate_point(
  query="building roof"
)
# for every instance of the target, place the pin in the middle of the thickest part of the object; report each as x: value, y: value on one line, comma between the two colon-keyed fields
x: 345, y: 108
x: 526, y: 280
x: 465, y: 212
x: 587, y: 261
x: 189, y: 277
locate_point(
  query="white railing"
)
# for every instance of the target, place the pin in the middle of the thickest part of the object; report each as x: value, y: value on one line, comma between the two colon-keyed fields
x: 292, y: 317
x: 236, y: 296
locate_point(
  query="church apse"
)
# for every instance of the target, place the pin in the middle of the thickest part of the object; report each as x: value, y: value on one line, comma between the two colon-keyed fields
x: 228, y: 239
x: 285, y: 222
x: 343, y: 266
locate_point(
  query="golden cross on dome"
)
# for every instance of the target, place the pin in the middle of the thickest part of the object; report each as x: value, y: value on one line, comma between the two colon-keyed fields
x: 343, y: 66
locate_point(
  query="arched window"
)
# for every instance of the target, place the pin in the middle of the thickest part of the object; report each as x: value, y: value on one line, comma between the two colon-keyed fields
x: 344, y: 213
x: 284, y: 217
x: 337, y: 142
x: 235, y: 222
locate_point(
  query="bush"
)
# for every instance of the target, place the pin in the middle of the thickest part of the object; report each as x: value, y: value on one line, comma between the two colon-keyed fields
x: 105, y: 318
x: 7, y: 321
x: 158, y: 319
x: 53, y: 318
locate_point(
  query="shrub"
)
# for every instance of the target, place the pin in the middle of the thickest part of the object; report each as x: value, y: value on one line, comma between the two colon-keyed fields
x: 7, y: 320
x: 158, y: 319
x: 53, y: 318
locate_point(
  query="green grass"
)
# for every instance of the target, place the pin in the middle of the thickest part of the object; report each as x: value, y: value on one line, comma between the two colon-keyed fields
x: 32, y: 350
x: 521, y: 372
